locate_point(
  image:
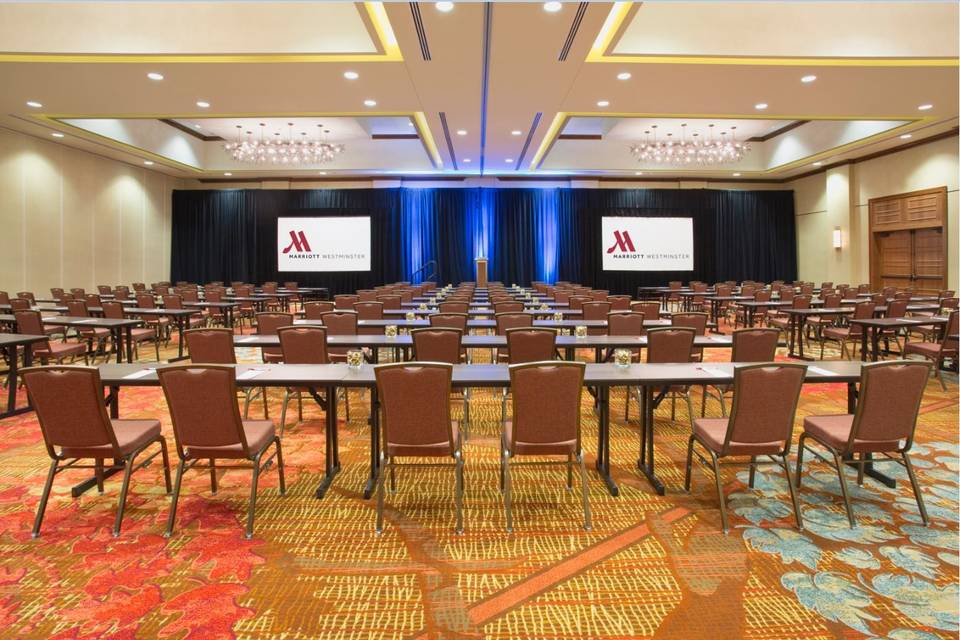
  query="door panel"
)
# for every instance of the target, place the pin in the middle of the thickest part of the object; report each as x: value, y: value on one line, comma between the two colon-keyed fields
x: 895, y: 259
x: 907, y: 248
x: 928, y: 262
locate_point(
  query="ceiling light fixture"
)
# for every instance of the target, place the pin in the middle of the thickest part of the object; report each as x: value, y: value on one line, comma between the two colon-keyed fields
x: 603, y: 103
x: 227, y: 173
x: 808, y: 79
x: 624, y: 75
x: 925, y: 107
x: 906, y: 136
x: 57, y: 134
x: 369, y: 103
x: 34, y: 104
x: 638, y: 173
x: 445, y: 7
x: 516, y: 132
x: 760, y: 106
x: 508, y: 160
x: 351, y: 75
x: 467, y: 160
x: 299, y: 150
x: 461, y: 132
x: 736, y: 175
x: 552, y: 7
x: 153, y: 75
x: 694, y: 151
x: 203, y: 104
x: 149, y: 163
x: 817, y: 163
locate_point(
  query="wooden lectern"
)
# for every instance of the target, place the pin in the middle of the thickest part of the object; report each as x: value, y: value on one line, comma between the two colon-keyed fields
x: 481, y: 272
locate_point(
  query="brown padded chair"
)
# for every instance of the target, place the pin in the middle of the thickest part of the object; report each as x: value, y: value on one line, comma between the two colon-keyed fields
x: 215, y: 346
x: 851, y: 333
x: 510, y: 321
x: 666, y: 345
x: 595, y: 311
x: 315, y: 310
x: 936, y: 352
x: 576, y: 302
x: 439, y: 344
x: 345, y: 302
x: 528, y: 344
x: 267, y: 325
x: 300, y: 345
x: 626, y: 323
x: 340, y: 323
x: 366, y: 295
x: 369, y: 311
x: 390, y: 301
x: 30, y: 322
x: 415, y: 401
x: 453, y: 307
x: 765, y: 398
x: 115, y: 311
x: 696, y: 320
x: 619, y: 303
x: 884, y: 422
x: 650, y: 310
x: 175, y: 301
x: 75, y: 425
x: 207, y: 426
x: 508, y: 307
x: 78, y: 309
x: 546, y: 422
x: 751, y: 344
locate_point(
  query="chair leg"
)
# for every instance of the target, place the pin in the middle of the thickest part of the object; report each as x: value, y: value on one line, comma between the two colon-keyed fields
x: 213, y: 476
x: 283, y: 410
x: 98, y: 471
x: 176, y: 496
x: 793, y: 494
x: 569, y: 472
x: 266, y: 408
x: 584, y: 494
x: 459, y: 493
x: 673, y: 407
x: 248, y: 393
x: 916, y: 489
x: 166, y: 464
x: 690, y: 408
x: 843, y: 488
x: 753, y: 471
x: 127, y: 471
x: 466, y: 413
x: 686, y: 479
x: 393, y: 480
x: 251, y: 510
x: 800, y: 444
x: 384, y: 461
x: 283, y: 480
x: 860, y: 469
x: 42, y: 507
x: 723, y: 506
x: 507, y: 491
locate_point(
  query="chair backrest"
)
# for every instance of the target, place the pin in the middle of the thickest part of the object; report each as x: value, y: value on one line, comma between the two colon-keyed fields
x: 878, y: 299
x: 562, y: 296
x: 531, y: 344
x: 576, y: 302
x: 172, y: 301
x: 345, y: 302
x: 546, y: 402
x: 787, y: 294
x: 945, y: 303
x: 340, y: 323
x: 203, y: 406
x: 755, y: 344
x: 946, y: 293
x: 625, y: 323
x: 112, y: 310
x: 896, y: 309
x: 92, y: 299
x: 210, y: 346
x: 56, y: 293
x: 675, y: 285
x: 161, y: 290
x: 269, y: 287
x: 303, y: 345
x: 890, y: 395
x: 268, y: 323
x: 139, y: 286
x: 415, y: 400
x: 453, y: 307
x: 595, y: 310
x: 369, y: 310
x: 670, y: 344
x: 437, y: 344
x: 863, y: 288
x: 763, y: 296
x: 145, y: 301
x: 290, y: 285
x: 512, y: 321
x: 77, y: 308
x: 748, y: 290
x: 694, y: 319
x: 765, y: 400
x: 446, y: 320
x: 390, y: 301
x: 213, y: 295
x: 903, y: 295
x: 619, y: 303
x: 19, y: 304
x: 806, y: 289
x: 832, y: 301
x: 802, y: 301
x: 28, y: 295
x: 29, y: 322
x: 104, y: 289
x: 649, y: 309
x: 953, y: 327
x: 70, y: 408
x: 4, y: 297
x: 314, y: 310
x: 600, y: 295
x: 508, y: 307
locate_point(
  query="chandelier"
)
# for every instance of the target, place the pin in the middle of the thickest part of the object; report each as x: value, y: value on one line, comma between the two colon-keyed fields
x: 275, y: 150
x: 694, y: 151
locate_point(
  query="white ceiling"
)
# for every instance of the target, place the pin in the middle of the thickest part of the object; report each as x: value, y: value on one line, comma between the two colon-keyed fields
x: 494, y: 69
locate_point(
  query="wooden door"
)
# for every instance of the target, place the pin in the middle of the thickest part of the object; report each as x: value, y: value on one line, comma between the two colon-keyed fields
x: 929, y: 266
x: 896, y: 261
x: 908, y: 246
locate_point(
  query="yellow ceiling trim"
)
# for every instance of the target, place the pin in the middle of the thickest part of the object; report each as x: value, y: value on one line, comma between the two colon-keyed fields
x: 376, y: 13
x: 553, y: 132
x: 426, y: 137
x: 616, y: 22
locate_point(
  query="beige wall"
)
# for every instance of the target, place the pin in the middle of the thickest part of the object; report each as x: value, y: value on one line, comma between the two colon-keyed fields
x: 69, y: 218
x: 840, y: 197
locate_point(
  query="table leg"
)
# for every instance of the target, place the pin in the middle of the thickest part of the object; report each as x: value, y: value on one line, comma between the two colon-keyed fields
x: 128, y: 337
x: 750, y: 311
x: 863, y: 344
x: 118, y: 344
x: 603, y: 443
x: 332, y: 455
x: 646, y: 462
x: 875, y: 344
x: 181, y: 326
x: 374, y: 443
x: 12, y: 378
x: 228, y: 313
x: 791, y: 326
x: 800, y: 326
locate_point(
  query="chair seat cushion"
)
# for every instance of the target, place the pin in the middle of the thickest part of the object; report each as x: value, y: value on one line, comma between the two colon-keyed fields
x: 838, y: 333
x: 259, y: 435
x: 834, y: 431
x: 131, y: 435
x: 431, y: 450
x: 926, y: 349
x: 711, y: 432
x: 560, y: 448
x: 140, y: 335
x: 64, y: 349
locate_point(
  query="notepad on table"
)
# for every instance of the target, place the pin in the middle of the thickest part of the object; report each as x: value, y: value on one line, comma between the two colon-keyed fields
x: 248, y: 339
x: 139, y: 374
x: 822, y: 372
x: 719, y: 373
x: 250, y: 373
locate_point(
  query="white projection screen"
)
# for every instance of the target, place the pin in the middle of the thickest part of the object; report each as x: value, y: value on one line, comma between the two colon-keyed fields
x: 647, y: 244
x: 323, y: 244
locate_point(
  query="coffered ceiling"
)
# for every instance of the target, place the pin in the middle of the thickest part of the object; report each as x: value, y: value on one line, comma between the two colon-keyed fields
x: 500, y: 89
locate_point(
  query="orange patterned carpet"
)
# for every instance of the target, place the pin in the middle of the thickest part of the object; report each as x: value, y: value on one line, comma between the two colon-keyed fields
x: 651, y: 567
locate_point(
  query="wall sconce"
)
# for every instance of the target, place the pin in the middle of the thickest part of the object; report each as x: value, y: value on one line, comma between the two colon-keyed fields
x: 837, y: 238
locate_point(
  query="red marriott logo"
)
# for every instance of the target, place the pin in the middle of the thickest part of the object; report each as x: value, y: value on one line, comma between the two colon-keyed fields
x: 622, y: 242
x: 298, y: 243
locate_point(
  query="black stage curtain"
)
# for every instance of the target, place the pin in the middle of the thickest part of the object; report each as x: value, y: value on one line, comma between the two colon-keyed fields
x: 528, y: 234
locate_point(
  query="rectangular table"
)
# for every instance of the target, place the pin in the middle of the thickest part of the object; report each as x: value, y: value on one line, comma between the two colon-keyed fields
x: 875, y: 326
x: 12, y: 343
x: 120, y: 330
x: 226, y: 307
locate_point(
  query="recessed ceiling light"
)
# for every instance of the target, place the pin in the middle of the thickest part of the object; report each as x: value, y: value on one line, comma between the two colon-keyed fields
x: 736, y: 175
x: 906, y: 136
x: 624, y: 75
x: 57, y: 134
x: 322, y: 173
x: 552, y: 7
x: 467, y: 160
x: 516, y: 132
x: 808, y: 79
x: 227, y: 173
x: 203, y: 104
x: 148, y: 162
x: 410, y: 122
x: 817, y: 163
x: 760, y: 106
x: 370, y: 103
x: 603, y: 103
x: 446, y: 7
x: 351, y: 75
x: 638, y: 173
x: 153, y: 75
x: 34, y: 104
x: 461, y: 132
x: 508, y: 160
x: 924, y: 107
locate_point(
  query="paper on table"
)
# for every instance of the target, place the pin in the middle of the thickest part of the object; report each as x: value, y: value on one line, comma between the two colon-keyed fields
x: 85, y: 321
x: 822, y: 372
x: 250, y: 373
x: 248, y: 339
x: 720, y: 338
x: 139, y: 374
x: 719, y: 373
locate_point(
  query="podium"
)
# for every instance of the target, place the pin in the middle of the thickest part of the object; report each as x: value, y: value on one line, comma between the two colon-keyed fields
x: 481, y: 272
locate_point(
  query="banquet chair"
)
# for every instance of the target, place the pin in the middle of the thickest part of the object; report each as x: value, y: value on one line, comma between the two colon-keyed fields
x: 390, y: 301
x: 619, y: 303
x: 115, y: 311
x: 340, y: 323
x: 314, y: 310
x: 595, y: 311
x: 626, y: 323
x: 175, y: 301
x: 31, y: 323
x: 528, y: 344
x: 439, y: 344
x: 91, y: 335
x: 650, y: 310
x: 507, y: 321
x: 369, y: 311
x: 345, y: 302
x: 765, y: 398
x: 884, y: 421
x: 215, y: 346
x: 672, y: 345
x: 696, y: 320
x: 267, y: 324
x: 576, y: 302
x: 511, y: 306
x: 751, y: 344
x: 819, y: 323
x: 937, y: 352
x: 545, y: 422
x: 300, y: 345
x: 207, y: 426
x: 453, y: 307
x: 75, y: 426
x: 160, y: 324
x: 415, y: 401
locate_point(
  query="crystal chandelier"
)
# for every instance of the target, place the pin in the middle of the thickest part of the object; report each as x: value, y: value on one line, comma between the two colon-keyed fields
x: 302, y: 150
x: 695, y: 151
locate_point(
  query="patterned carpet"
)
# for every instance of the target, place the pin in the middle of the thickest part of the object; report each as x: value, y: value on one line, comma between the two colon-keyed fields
x: 651, y: 567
